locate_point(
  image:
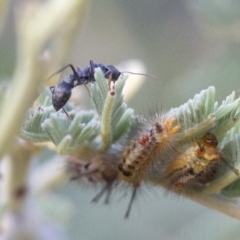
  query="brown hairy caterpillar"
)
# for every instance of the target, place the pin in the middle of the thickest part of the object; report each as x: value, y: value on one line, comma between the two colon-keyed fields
x: 138, y: 157
x: 195, y: 167
x: 95, y: 169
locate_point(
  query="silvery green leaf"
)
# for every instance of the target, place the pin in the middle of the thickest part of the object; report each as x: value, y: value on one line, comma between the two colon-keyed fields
x: 45, y: 98
x: 121, y: 115
x: 99, y: 91
x: 123, y: 124
x: 32, y: 130
x: 195, y: 110
x: 58, y: 126
x: 85, y: 134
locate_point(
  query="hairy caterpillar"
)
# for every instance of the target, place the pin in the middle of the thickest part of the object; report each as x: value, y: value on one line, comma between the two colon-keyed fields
x: 156, y: 139
x: 194, y: 167
x: 95, y: 169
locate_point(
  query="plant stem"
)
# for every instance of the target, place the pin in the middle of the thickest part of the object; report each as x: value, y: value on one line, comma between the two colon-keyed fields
x: 15, y: 175
x: 220, y: 203
x: 106, y: 120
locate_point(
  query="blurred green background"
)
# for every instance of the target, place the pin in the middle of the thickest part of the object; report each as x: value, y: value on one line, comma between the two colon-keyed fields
x: 188, y: 45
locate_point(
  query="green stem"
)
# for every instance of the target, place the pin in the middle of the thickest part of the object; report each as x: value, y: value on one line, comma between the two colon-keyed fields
x: 15, y: 175
x: 47, y: 18
x: 106, y: 120
x: 217, y: 185
x: 220, y: 203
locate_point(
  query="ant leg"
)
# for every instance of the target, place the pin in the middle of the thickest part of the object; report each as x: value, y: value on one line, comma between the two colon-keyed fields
x: 66, y: 114
x: 92, y: 70
x: 109, y: 82
x: 107, y: 74
x: 52, y: 88
x: 85, y: 85
x: 91, y: 63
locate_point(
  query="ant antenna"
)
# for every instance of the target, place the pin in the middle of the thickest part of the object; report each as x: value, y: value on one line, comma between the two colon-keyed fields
x: 143, y: 74
x: 231, y: 167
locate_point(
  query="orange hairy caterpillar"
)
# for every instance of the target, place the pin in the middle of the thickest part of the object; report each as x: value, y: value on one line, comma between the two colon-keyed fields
x: 195, y: 167
x: 138, y: 157
x: 102, y: 168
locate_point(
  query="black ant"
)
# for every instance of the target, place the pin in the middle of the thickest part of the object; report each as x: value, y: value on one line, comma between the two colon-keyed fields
x: 63, y: 90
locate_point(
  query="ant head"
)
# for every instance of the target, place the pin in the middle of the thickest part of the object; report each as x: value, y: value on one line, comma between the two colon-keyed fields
x: 60, y: 94
x: 114, y: 73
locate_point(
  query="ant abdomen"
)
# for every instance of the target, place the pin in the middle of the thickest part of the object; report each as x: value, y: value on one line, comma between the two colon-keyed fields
x: 61, y: 94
